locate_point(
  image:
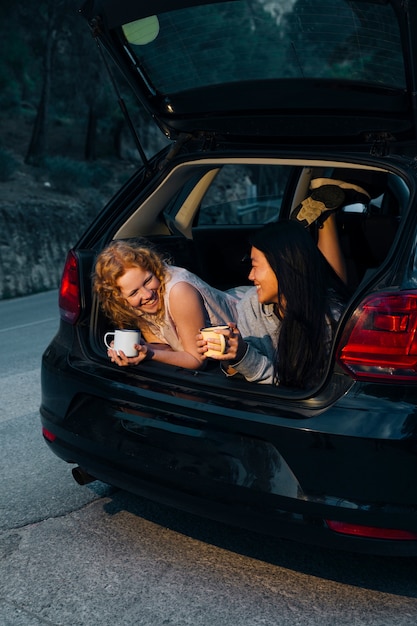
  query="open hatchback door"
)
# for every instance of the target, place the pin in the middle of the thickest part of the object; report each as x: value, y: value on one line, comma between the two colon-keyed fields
x: 307, y: 71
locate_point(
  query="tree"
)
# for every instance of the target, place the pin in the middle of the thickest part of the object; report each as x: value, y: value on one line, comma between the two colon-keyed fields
x: 47, y: 19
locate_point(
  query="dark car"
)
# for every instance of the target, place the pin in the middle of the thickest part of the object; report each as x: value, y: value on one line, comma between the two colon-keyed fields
x: 258, y: 98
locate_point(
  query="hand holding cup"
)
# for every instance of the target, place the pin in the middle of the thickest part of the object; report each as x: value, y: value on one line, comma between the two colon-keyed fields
x: 123, y: 341
x: 126, y: 347
x: 223, y: 343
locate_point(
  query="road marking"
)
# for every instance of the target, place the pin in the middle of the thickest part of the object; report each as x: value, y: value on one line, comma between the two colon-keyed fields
x: 49, y: 319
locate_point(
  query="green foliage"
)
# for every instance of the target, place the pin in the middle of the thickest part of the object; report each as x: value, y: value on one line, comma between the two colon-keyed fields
x: 8, y: 165
x: 18, y: 65
x: 68, y: 175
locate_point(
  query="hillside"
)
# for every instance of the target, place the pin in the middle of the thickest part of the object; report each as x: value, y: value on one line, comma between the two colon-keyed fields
x: 38, y: 224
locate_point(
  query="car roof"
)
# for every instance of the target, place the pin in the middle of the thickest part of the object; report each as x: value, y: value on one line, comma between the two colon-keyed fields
x: 299, y: 70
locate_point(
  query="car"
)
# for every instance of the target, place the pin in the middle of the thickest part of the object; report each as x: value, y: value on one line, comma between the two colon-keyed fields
x: 254, y: 100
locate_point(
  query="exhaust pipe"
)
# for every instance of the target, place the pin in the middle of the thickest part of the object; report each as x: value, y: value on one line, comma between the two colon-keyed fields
x: 81, y: 476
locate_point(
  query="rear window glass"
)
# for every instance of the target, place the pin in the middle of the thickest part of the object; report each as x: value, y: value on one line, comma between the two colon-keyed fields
x: 259, y: 40
x: 244, y: 194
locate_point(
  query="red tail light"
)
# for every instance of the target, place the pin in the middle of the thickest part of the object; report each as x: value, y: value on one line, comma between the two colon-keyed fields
x: 380, y: 341
x: 47, y: 434
x: 371, y: 531
x: 69, y: 292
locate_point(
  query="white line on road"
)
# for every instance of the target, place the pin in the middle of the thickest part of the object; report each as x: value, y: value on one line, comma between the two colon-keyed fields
x: 48, y: 319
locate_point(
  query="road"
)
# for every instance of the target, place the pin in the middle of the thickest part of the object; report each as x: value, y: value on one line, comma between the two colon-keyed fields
x: 96, y: 556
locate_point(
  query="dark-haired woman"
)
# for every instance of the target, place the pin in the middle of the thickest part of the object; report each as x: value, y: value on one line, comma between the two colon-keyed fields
x: 286, y: 322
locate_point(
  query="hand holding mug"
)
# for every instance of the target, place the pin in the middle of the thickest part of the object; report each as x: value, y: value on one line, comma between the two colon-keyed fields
x: 124, y: 341
x: 125, y: 349
x: 222, y: 343
x: 214, y: 340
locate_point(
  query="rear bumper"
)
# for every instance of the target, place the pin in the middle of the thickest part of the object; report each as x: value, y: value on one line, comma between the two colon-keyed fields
x: 275, y: 516
x: 278, y: 476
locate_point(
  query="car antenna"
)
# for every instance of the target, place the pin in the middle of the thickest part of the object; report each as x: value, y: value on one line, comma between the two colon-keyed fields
x: 124, y: 108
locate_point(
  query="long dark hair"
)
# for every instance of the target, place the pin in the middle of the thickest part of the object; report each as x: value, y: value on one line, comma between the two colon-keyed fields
x: 302, y: 274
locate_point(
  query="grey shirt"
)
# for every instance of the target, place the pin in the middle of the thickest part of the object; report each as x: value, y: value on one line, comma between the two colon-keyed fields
x: 260, y: 327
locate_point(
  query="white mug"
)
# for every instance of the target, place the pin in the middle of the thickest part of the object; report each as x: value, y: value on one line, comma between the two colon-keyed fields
x: 124, y: 340
x: 209, y: 332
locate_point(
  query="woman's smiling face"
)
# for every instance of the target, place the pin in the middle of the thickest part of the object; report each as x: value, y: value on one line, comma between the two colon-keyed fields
x: 263, y: 278
x: 140, y: 288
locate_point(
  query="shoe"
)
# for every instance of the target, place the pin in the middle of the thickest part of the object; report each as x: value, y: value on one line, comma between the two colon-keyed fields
x: 354, y: 193
x: 319, y: 205
x: 328, y: 196
x: 348, y: 188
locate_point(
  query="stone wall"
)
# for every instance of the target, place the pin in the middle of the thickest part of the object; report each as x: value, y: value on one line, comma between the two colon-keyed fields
x: 34, y: 240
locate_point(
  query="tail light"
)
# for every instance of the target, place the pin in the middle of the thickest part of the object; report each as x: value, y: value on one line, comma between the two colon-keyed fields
x: 48, y: 434
x: 371, y: 531
x: 69, y: 292
x: 379, y: 343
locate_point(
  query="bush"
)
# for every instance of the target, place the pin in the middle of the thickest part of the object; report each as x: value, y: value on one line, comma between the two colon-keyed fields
x: 99, y: 174
x: 67, y: 175
x: 8, y: 165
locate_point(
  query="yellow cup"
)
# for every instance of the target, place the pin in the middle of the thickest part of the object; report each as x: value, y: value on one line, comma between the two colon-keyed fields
x: 209, y: 333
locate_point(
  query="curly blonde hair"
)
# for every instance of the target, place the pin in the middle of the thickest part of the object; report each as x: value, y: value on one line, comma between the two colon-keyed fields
x: 112, y: 262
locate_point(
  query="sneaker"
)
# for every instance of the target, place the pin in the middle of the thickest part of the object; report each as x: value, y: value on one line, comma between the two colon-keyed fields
x: 354, y: 193
x: 328, y: 196
x: 319, y: 205
x: 315, y: 183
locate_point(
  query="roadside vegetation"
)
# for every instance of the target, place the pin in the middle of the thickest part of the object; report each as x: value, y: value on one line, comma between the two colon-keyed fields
x: 51, y: 73
x: 64, y: 143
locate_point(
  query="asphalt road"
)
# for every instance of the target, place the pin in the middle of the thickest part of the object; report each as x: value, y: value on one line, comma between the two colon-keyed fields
x: 96, y: 556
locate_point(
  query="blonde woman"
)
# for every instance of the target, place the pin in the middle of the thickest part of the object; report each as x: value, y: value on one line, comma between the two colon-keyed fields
x: 138, y: 288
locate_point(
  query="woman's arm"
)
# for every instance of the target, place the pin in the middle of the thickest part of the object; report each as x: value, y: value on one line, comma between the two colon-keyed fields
x: 250, y: 348
x: 243, y: 356
x: 188, y: 313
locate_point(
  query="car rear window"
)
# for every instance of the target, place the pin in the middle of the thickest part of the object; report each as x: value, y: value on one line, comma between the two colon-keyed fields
x: 225, y: 42
x: 245, y: 194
